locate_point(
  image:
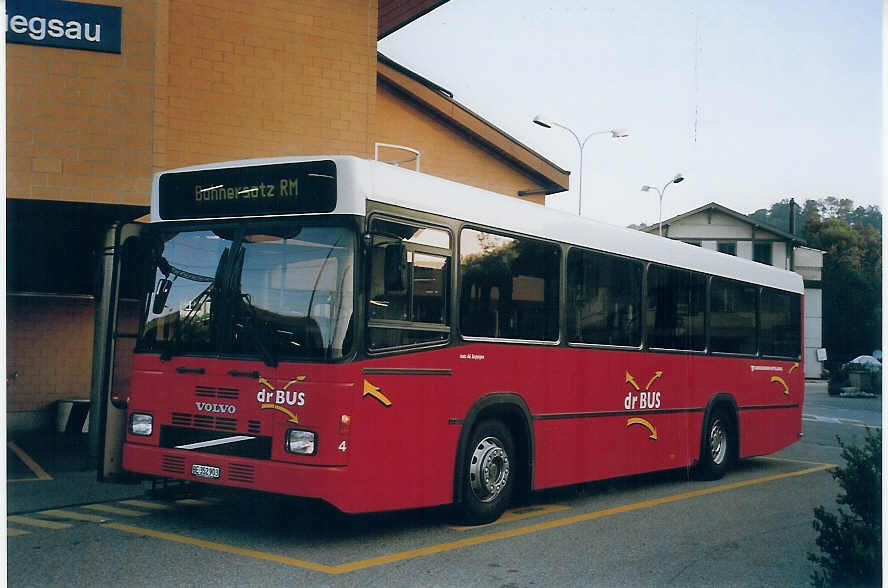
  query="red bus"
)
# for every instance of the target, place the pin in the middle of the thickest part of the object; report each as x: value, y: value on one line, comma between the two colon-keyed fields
x: 382, y: 339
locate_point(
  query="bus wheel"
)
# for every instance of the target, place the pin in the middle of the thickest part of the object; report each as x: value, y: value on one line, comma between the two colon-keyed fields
x: 490, y: 473
x: 717, y: 449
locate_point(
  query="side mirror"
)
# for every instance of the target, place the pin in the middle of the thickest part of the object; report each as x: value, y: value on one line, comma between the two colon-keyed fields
x: 395, y: 273
x: 161, y: 295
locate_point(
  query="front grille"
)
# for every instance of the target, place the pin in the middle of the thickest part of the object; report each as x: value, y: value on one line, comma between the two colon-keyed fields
x: 241, y: 472
x: 205, y: 421
x: 175, y: 464
x: 226, y: 424
x: 213, y: 392
x: 256, y: 448
x: 254, y: 427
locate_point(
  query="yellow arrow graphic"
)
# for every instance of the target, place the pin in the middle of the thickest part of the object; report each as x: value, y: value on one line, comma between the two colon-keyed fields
x: 631, y: 380
x: 794, y: 366
x: 375, y: 393
x: 780, y: 381
x: 266, y: 383
x: 291, y: 382
x: 644, y: 423
x: 657, y: 376
x: 292, y: 417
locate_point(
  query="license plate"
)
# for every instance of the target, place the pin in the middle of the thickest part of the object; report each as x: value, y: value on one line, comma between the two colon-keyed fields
x: 203, y: 471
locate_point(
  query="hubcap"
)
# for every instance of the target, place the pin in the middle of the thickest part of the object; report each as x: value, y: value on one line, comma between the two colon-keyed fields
x: 718, y: 442
x: 488, y: 469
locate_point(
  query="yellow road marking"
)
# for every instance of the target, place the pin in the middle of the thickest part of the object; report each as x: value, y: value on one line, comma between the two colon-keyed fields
x: 225, y: 548
x: 127, y: 512
x: 516, y: 514
x: 68, y: 514
x: 15, y: 532
x: 467, y: 542
x: 146, y: 504
x: 26, y: 459
x: 789, y: 460
x: 36, y: 522
x: 196, y: 502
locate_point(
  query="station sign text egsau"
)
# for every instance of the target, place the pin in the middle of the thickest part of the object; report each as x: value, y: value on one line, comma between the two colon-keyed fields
x: 68, y: 25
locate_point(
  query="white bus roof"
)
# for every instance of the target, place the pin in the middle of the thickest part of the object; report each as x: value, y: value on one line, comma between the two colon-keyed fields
x: 360, y: 180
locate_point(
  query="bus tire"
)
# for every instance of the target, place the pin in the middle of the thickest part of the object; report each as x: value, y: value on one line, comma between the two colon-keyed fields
x: 490, y: 471
x: 717, y: 450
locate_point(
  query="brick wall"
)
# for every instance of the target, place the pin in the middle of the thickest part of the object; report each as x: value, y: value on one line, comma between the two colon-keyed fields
x: 79, y: 122
x: 260, y: 79
x: 446, y: 152
x: 49, y: 342
x: 48, y: 350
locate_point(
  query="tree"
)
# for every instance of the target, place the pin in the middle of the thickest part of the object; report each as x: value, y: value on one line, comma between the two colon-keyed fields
x: 852, y: 273
x: 852, y: 267
x: 777, y: 215
x: 851, y: 542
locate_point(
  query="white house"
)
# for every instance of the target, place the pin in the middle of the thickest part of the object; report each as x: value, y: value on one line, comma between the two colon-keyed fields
x: 719, y: 228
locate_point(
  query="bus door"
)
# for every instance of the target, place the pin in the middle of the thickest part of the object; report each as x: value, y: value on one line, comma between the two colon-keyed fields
x: 120, y: 294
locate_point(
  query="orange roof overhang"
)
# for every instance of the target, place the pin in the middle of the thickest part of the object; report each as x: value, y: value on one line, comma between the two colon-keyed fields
x: 394, y: 14
x: 441, y: 103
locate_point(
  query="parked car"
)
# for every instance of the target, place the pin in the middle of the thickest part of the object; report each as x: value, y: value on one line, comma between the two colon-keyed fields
x: 863, y: 374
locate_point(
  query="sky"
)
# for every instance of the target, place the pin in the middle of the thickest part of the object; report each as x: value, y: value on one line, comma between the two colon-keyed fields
x: 751, y: 101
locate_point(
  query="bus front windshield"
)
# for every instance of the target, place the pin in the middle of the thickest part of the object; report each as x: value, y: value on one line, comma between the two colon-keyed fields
x: 276, y: 292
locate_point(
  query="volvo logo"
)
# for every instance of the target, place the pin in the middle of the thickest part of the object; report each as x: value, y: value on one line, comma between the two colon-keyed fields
x: 212, y: 407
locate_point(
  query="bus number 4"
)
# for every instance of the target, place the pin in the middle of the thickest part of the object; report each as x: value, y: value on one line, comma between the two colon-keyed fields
x: 342, y: 446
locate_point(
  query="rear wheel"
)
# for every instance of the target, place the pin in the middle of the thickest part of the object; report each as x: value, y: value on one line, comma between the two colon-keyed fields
x: 718, y: 449
x: 489, y: 476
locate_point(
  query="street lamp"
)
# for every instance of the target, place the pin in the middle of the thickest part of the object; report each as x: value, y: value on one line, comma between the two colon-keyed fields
x: 678, y: 178
x: 545, y: 122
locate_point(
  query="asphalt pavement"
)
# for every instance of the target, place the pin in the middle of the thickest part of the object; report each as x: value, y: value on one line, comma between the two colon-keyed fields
x: 51, y: 470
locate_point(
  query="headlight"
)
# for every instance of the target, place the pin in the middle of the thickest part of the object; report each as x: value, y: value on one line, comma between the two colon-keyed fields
x: 301, y: 442
x: 141, y: 424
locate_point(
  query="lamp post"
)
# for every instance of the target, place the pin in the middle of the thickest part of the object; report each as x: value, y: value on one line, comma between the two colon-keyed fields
x: 545, y: 122
x: 678, y: 178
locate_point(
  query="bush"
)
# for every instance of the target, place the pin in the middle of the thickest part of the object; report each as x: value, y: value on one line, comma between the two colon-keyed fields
x: 851, y: 543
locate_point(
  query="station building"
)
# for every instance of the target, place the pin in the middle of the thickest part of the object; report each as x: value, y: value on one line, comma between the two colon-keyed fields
x: 101, y: 95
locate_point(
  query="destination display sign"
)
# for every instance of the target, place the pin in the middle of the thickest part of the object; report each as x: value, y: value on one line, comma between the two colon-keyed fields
x: 282, y: 188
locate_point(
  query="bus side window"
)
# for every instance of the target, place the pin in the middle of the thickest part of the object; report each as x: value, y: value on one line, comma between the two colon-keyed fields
x: 408, y: 284
x: 605, y: 299
x: 732, y: 316
x: 508, y: 287
x: 780, y: 331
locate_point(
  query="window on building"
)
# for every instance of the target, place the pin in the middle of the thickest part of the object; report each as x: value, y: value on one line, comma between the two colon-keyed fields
x: 508, y: 287
x: 762, y: 253
x: 732, y: 320
x: 603, y: 298
x: 729, y: 247
x: 781, y: 332
x: 409, y: 285
x: 675, y: 309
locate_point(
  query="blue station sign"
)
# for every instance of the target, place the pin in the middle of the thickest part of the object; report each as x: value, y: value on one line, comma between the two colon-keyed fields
x: 70, y: 25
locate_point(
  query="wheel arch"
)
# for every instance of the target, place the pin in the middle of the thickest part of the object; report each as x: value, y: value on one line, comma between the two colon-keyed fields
x: 728, y: 403
x: 512, y: 411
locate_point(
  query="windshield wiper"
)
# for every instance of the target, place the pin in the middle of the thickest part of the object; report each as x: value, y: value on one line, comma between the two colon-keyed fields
x: 250, y: 322
x: 181, y: 325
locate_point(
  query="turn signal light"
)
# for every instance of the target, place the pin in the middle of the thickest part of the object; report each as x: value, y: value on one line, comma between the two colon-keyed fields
x: 344, y: 424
